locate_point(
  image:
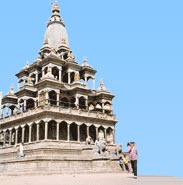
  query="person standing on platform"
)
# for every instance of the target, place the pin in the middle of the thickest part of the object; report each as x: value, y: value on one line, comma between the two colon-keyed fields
x: 133, y: 156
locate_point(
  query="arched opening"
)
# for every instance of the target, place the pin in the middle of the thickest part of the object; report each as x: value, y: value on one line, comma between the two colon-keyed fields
x: 13, y: 135
x: 73, y: 132
x: 45, y: 70
x: 98, y: 107
x: 92, y: 132
x: 33, y: 78
x: 101, y: 132
x: 12, y: 108
x: 82, y: 103
x: 34, y: 132
x: 72, y: 102
x: 19, y: 138
x: 41, y: 130
x: 21, y: 108
x: 65, y: 78
x: 26, y: 134
x: 7, y: 136
x: 63, y: 131
x: 30, y: 104
x: 55, y: 72
x: 52, y: 130
x: 53, y: 98
x: 83, y: 132
x: 64, y: 102
x: 107, y: 107
x: 91, y: 107
x: 109, y: 136
x: 72, y: 77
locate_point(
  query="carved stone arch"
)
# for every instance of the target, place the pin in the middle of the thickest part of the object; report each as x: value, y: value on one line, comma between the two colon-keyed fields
x: 55, y: 72
x: 98, y: 107
x: 34, y: 132
x: 73, y: 132
x: 91, y: 106
x: 52, y: 97
x: 30, y: 104
x: 83, y: 132
x: 72, y: 76
x: 73, y: 102
x: 33, y: 78
x: 26, y: 133
x: 63, y: 130
x: 82, y: 102
x: 19, y: 137
x: 64, y: 102
x: 101, y: 129
x: 41, y: 130
x: 110, y: 135
x: 13, y: 136
x: 92, y: 132
x: 107, y: 107
x: 52, y: 130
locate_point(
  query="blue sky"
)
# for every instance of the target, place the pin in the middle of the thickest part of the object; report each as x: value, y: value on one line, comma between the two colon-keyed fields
x: 136, y: 47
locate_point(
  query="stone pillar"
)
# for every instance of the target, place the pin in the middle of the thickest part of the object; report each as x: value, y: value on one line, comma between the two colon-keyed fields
x: 88, y: 131
x: 30, y: 133
x: 105, y: 133
x: 46, y: 130
x: 97, y: 132
x: 36, y: 74
x: 25, y: 104
x: 16, y: 136
x: 86, y: 104
x: 86, y: 81
x: 114, y: 136
x: 4, y: 142
x: 47, y: 97
x: 60, y: 74
x: 57, y: 131
x: 58, y: 95
x: 103, y: 111
x: 78, y: 133
x: 10, y: 136
x: 37, y: 131
x: 93, y: 80
x: 69, y: 77
x: 23, y: 134
x: 68, y: 132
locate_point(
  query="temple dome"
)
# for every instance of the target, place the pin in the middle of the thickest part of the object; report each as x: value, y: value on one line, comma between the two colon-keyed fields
x: 56, y: 34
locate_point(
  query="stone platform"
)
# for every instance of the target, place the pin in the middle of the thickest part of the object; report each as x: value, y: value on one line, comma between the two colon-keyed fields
x: 89, y: 179
x: 50, y: 157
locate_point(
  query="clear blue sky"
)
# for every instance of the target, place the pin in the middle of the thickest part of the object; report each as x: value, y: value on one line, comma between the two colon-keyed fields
x: 136, y: 47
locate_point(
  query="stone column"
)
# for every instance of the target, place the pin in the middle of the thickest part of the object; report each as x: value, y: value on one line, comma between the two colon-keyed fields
x: 86, y: 81
x: 88, y: 131
x: 58, y: 95
x: 23, y: 134
x: 69, y: 77
x: 78, y: 133
x: 105, y: 133
x: 4, y: 142
x: 36, y: 74
x: 37, y: 131
x: 10, y: 136
x: 93, y: 80
x: 68, y: 132
x: 57, y: 131
x: 16, y: 135
x: 114, y: 136
x: 47, y: 97
x: 46, y: 130
x: 30, y: 133
x: 60, y: 74
x: 25, y: 104
x: 97, y: 132
x: 103, y: 111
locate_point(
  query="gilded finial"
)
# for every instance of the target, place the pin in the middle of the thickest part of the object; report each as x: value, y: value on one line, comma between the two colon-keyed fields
x: 55, y: 7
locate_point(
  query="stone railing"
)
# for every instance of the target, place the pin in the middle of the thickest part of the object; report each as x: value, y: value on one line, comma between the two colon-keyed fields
x: 58, y: 109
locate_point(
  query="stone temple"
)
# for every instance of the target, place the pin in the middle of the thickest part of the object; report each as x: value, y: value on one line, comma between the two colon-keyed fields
x: 65, y: 125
